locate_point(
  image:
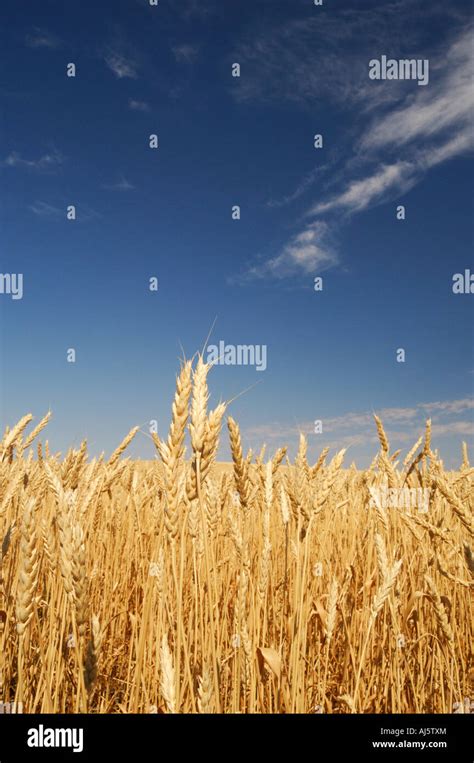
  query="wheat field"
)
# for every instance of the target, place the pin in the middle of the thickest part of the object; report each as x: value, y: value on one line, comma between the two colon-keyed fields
x: 182, y: 586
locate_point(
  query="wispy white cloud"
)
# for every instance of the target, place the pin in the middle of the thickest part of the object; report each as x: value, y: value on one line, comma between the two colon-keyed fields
x: 433, y: 124
x: 387, y: 181
x: 121, y: 65
x: 138, y: 105
x: 447, y: 104
x: 185, y: 53
x: 194, y: 9
x: 463, y: 428
x: 324, y: 55
x: 84, y: 213
x: 304, y: 185
x: 309, y: 251
x: 403, y: 425
x: 48, y: 162
x: 449, y: 406
x: 362, y: 193
x: 41, y: 38
x: 42, y: 209
x: 121, y: 185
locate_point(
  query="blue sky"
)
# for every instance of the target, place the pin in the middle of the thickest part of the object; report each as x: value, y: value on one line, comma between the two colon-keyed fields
x: 305, y: 212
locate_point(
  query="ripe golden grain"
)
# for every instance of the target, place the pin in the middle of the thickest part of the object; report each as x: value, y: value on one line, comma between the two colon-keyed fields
x: 197, y: 571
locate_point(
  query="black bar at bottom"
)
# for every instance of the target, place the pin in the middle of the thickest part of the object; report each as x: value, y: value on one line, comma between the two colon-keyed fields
x: 102, y: 737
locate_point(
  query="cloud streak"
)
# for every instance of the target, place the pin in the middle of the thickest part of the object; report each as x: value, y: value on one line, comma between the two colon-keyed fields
x: 433, y: 124
x: 447, y: 104
x: 361, y: 194
x: 42, y: 209
x: 40, y: 38
x: 325, y: 55
x: 403, y: 425
x: 305, y: 184
x: 186, y: 54
x: 311, y: 250
x: 122, y: 185
x: 124, y: 67
x: 48, y: 162
x: 138, y: 105
x: 52, y: 213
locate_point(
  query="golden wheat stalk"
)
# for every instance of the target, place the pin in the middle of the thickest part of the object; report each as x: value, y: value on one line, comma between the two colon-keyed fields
x: 384, y: 443
x: 28, y: 568
x: 10, y: 437
x: 167, y: 683
x: 92, y: 654
x: 35, y: 432
x: 241, y: 477
x: 172, y: 450
x: 123, y: 445
x: 440, y: 613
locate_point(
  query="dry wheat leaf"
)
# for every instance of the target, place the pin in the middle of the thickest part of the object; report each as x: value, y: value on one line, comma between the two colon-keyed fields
x: 322, y: 613
x: 271, y: 659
